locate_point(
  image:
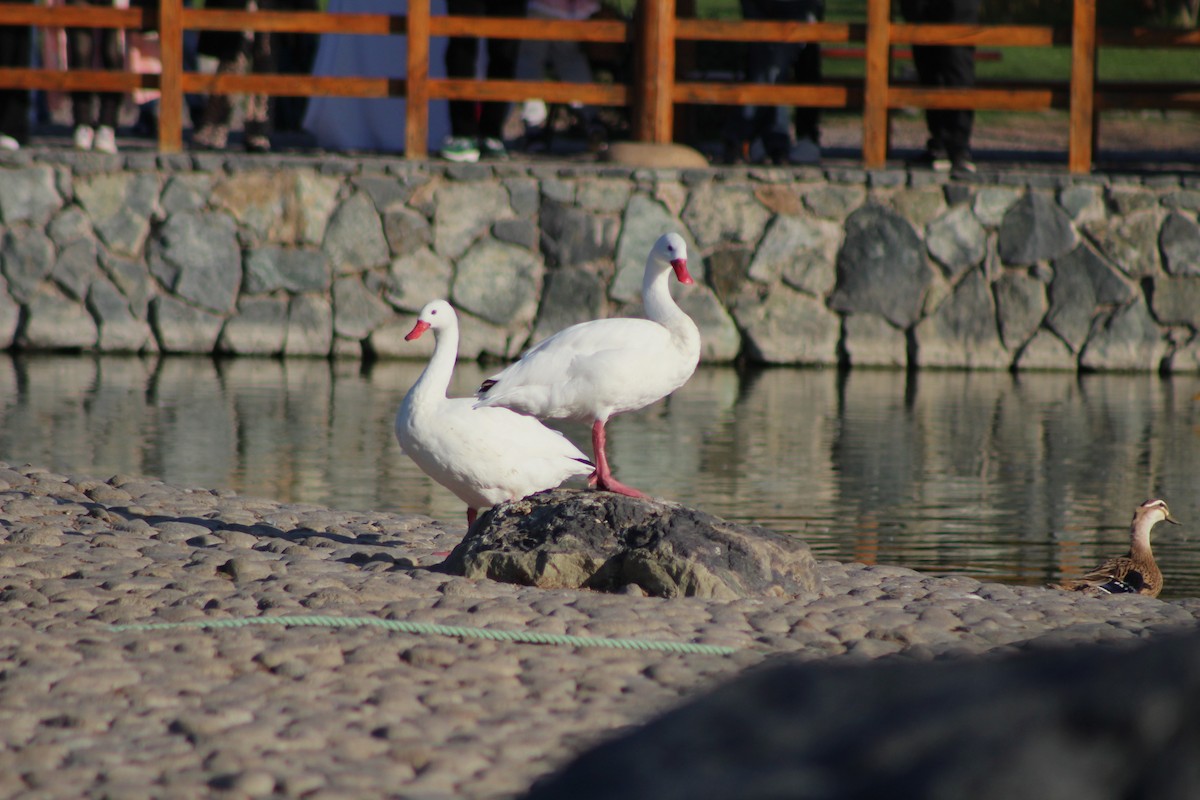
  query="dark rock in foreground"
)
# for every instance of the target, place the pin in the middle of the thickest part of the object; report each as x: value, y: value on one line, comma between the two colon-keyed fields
x: 603, y: 541
x: 1092, y: 722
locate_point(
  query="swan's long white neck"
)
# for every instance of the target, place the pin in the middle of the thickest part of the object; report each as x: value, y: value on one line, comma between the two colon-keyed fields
x: 657, y: 301
x: 435, y: 380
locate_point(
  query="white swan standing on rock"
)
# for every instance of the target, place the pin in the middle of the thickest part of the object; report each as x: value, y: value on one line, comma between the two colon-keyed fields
x: 592, y: 370
x: 482, y: 455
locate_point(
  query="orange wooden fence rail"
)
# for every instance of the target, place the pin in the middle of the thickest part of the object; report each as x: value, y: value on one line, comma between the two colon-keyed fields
x: 655, y: 90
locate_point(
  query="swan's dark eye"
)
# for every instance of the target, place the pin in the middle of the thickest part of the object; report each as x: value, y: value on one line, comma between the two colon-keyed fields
x: 432, y: 312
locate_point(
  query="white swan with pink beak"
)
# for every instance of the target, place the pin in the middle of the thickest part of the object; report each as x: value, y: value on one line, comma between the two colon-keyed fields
x: 591, y: 371
x: 482, y: 455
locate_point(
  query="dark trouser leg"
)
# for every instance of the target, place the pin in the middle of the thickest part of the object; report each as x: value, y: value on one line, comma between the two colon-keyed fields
x: 14, y: 103
x: 461, y: 55
x: 112, y: 58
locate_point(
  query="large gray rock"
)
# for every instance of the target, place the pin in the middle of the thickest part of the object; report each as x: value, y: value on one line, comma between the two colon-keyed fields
x: 76, y: 267
x: 498, y: 282
x: 963, y: 331
x: 406, y: 231
x: 1126, y: 340
x: 29, y: 195
x: 720, y: 341
x: 55, y: 322
x: 309, y: 327
x: 1129, y: 242
x: 197, y: 256
x: 259, y: 328
x: 1058, y: 724
x: 720, y: 212
x: 131, y: 277
x: 573, y: 237
x: 598, y: 540
x: 182, y: 328
x: 799, y: 251
x: 1035, y: 228
x: 272, y: 268
x: 881, y: 268
x: 26, y: 258
x: 869, y: 340
x: 465, y: 212
x: 645, y: 220
x: 788, y: 327
x: 957, y: 241
x: 354, y: 240
x: 356, y: 310
x: 1083, y: 283
x: 120, y: 205
x: 1045, y: 351
x: 1180, y: 241
x: 1176, y: 301
x: 417, y: 278
x: 119, y: 330
x: 1021, y: 305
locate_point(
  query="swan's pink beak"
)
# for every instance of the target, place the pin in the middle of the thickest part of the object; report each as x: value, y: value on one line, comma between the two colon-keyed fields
x: 417, y: 330
x: 680, y: 267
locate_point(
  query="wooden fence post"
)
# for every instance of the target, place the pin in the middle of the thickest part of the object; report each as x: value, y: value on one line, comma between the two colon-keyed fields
x: 655, y: 89
x: 416, y: 94
x: 875, y: 90
x: 1083, y: 87
x: 170, y: 82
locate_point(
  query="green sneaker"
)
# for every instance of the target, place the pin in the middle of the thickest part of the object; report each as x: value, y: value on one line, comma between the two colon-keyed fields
x: 460, y: 149
x: 493, y: 149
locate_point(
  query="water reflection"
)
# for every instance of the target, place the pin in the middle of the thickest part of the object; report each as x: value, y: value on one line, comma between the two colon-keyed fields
x: 1019, y: 479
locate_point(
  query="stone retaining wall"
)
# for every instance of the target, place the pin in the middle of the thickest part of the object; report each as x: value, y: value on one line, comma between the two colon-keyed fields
x: 319, y: 256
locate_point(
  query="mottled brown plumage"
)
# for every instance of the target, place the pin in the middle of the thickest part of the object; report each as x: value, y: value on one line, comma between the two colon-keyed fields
x: 1135, y: 572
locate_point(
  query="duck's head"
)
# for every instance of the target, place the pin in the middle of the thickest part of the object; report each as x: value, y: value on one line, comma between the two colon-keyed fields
x: 1153, y: 512
x: 671, y: 249
x: 437, y: 314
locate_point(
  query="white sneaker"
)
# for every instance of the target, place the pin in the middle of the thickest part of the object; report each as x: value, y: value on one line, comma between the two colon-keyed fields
x: 9, y: 143
x: 84, y: 136
x: 106, y: 139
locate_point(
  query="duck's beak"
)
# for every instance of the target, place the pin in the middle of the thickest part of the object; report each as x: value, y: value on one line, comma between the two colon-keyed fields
x: 1171, y: 519
x: 417, y: 330
x: 681, y: 271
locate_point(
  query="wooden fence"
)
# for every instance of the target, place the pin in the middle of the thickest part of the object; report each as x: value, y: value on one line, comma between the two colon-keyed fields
x: 653, y: 37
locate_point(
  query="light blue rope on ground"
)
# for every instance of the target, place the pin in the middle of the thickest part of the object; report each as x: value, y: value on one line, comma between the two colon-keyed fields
x: 526, y: 637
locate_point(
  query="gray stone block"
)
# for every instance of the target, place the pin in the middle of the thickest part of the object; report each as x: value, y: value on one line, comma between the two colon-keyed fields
x: 1021, y: 305
x: 273, y: 268
x: 183, y: 328
x: 119, y: 330
x: 75, y: 269
x: 881, y: 268
x: 406, y: 231
x: 1176, y: 301
x: 963, y: 332
x: 200, y: 259
x: 1130, y: 242
x: 55, y: 322
x: 354, y: 240
x: 869, y: 340
x: 29, y: 195
x: 1125, y: 340
x: 1082, y: 284
x: 1035, y: 229
x: 356, y: 311
x: 465, y: 212
x: 801, y: 252
x: 499, y: 283
x: 10, y: 316
x: 570, y: 295
x: 1180, y: 242
x: 26, y: 258
x: 604, y: 541
x: 719, y: 213
x: 720, y: 340
x: 258, y: 329
x: 788, y: 327
x: 309, y: 327
x: 417, y: 278
x: 957, y: 241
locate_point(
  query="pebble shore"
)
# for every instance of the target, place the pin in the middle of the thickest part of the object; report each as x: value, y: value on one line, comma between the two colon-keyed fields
x: 269, y: 711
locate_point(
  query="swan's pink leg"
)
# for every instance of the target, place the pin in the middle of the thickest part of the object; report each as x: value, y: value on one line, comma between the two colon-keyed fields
x: 603, y: 478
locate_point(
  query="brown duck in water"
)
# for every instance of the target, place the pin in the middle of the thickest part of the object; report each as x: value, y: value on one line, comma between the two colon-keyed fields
x: 1135, y: 572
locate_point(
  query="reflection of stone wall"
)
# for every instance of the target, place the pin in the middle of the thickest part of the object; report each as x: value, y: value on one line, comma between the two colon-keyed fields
x: 300, y: 256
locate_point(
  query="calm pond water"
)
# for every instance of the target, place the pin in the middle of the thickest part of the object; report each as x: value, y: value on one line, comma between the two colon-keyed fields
x: 1019, y: 479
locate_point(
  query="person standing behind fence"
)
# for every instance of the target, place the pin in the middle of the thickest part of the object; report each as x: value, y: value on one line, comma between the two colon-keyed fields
x: 237, y: 53
x: 15, y: 51
x: 478, y: 129
x: 566, y: 59
x: 95, y: 130
x: 949, y: 145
